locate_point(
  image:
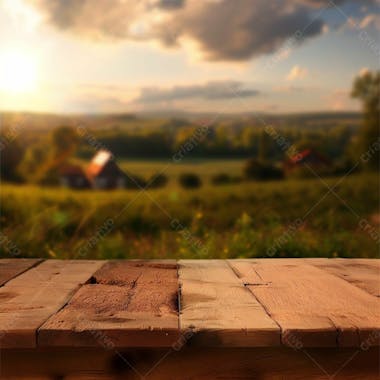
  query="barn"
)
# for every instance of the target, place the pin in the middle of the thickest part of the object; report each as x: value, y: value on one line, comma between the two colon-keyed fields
x: 74, y: 177
x: 104, y: 173
x: 309, y: 157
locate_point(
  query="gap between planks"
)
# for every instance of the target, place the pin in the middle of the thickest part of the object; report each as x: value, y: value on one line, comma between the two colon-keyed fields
x: 217, y: 310
x: 234, y: 270
x: 11, y: 268
x: 219, y: 335
x: 29, y: 299
x: 132, y: 303
x: 313, y: 306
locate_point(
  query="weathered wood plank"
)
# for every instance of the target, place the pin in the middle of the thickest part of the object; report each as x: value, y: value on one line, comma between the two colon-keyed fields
x: 217, y: 308
x: 10, y: 268
x: 313, y: 307
x: 64, y: 273
x: 30, y: 299
x: 129, y: 304
x: 363, y: 273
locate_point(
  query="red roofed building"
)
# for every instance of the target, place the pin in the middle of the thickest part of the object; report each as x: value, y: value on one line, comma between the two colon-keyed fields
x: 73, y: 176
x: 308, y: 157
x: 104, y: 173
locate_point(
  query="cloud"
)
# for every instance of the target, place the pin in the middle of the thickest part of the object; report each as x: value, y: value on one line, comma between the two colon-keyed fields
x: 238, y: 30
x: 169, y: 4
x: 103, y: 20
x: 297, y: 73
x: 220, y: 90
x: 223, y: 30
x: 370, y: 21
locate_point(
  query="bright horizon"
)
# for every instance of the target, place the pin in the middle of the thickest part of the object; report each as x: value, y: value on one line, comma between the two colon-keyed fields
x: 177, y: 55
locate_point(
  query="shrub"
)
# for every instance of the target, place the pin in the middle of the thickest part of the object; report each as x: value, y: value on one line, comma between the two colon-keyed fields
x: 190, y: 181
x: 259, y: 170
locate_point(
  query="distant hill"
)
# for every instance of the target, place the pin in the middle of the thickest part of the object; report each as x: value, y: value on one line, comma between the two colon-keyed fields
x: 42, y: 121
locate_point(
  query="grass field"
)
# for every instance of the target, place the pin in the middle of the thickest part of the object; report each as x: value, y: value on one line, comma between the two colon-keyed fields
x: 290, y: 218
x: 207, y: 168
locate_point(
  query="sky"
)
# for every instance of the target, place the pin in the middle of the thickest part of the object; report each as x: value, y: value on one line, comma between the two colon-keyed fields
x: 227, y: 56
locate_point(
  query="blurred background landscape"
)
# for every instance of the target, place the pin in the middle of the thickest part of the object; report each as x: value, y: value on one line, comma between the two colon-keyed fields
x: 119, y: 140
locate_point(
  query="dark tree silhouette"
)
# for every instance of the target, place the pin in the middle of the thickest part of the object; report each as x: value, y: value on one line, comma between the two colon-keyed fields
x: 11, y: 154
x: 366, y: 88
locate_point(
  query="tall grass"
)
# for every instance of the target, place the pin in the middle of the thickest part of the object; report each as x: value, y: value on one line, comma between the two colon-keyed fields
x: 241, y: 220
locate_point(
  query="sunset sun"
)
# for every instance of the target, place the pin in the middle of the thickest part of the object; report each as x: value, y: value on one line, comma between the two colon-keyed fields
x: 18, y: 72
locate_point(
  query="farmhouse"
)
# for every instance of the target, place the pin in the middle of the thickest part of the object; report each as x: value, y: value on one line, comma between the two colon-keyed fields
x: 74, y: 177
x: 309, y: 157
x: 104, y: 173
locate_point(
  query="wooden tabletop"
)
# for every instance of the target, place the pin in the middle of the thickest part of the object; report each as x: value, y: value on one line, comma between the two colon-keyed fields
x: 167, y: 303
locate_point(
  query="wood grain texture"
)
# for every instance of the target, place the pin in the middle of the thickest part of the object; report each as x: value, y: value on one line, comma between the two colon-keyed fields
x: 30, y: 299
x: 10, y: 268
x: 129, y: 304
x: 363, y: 273
x: 234, y: 303
x: 313, y: 308
x: 217, y: 308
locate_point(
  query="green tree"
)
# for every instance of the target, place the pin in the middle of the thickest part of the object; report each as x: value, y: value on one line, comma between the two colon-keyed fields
x: 65, y: 141
x: 43, y: 160
x: 11, y: 154
x: 33, y: 166
x: 190, y: 181
x: 264, y: 143
x: 366, y: 88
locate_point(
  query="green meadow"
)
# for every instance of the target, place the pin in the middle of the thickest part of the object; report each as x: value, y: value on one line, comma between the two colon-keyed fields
x: 285, y: 218
x: 206, y: 168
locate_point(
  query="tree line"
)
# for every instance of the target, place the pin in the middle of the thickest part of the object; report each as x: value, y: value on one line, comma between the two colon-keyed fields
x: 36, y: 158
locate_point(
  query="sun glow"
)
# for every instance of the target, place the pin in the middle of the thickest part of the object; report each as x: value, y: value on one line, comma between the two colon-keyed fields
x: 18, y: 72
